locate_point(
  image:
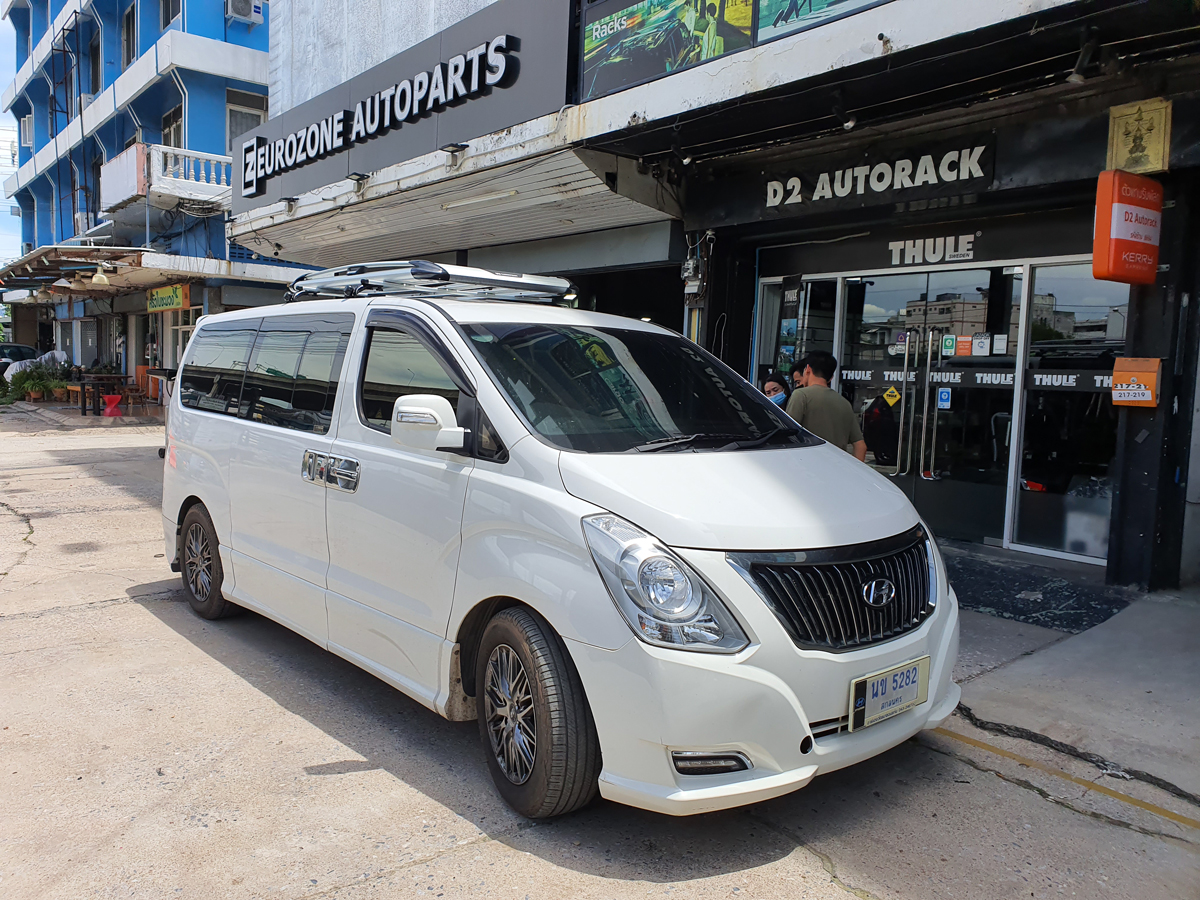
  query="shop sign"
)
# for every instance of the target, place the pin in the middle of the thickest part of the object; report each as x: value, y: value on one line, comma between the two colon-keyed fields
x: 891, y: 395
x: 949, y: 342
x: 175, y: 296
x: 1135, y: 382
x: 503, y: 65
x: 1139, y: 136
x: 1128, y: 226
x: 1089, y: 380
x: 630, y: 42
x: 943, y: 398
x: 462, y: 77
x: 964, y: 167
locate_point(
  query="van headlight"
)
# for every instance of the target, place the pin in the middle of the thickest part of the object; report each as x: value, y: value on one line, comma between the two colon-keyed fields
x: 664, y: 601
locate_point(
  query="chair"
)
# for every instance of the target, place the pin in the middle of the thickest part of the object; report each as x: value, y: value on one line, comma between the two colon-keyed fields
x: 136, y: 396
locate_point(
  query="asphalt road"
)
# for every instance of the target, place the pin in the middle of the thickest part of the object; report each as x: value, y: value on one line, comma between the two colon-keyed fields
x: 145, y: 752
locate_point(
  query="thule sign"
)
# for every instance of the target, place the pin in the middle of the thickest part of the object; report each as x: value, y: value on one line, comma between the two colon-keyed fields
x: 463, y: 77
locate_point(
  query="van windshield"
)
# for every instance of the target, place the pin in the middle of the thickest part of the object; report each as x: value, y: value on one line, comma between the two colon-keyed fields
x: 612, y: 390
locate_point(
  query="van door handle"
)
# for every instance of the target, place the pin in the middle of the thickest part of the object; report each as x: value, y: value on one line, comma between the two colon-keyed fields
x: 342, y: 474
x: 313, y: 466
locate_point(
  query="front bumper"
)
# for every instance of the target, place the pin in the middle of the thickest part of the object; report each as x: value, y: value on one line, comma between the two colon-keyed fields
x: 649, y: 701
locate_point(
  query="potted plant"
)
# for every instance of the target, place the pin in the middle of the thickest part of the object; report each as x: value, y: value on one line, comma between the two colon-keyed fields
x: 58, y: 388
x: 35, y: 387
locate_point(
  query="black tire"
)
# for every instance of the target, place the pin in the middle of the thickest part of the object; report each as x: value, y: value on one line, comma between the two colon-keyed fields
x: 566, y: 753
x: 200, y: 566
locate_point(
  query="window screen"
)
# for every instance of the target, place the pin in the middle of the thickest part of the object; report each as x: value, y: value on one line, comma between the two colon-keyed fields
x: 398, y: 365
x: 216, y: 365
x: 293, y: 373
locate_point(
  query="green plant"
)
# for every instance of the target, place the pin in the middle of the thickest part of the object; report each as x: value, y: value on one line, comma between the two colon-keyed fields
x: 56, y: 384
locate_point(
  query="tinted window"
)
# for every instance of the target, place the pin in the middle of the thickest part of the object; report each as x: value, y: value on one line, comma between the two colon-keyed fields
x: 611, y: 390
x: 292, y: 379
x: 398, y: 365
x: 216, y: 365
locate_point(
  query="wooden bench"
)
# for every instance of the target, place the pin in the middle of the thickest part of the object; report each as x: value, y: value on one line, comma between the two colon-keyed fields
x: 73, y: 393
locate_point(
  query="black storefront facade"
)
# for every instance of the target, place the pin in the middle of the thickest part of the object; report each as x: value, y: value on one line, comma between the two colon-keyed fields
x: 948, y: 266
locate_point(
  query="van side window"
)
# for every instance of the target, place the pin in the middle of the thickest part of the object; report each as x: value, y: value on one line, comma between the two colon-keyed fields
x: 216, y: 365
x: 293, y: 373
x: 397, y: 365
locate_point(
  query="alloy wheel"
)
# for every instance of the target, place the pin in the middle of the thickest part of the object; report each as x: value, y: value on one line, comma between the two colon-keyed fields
x: 197, y: 561
x: 508, y: 707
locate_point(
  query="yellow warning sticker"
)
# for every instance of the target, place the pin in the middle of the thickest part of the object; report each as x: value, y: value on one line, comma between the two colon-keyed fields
x: 891, y: 395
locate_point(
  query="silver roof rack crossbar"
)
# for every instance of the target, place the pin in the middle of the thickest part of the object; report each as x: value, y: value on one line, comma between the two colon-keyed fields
x: 420, y: 278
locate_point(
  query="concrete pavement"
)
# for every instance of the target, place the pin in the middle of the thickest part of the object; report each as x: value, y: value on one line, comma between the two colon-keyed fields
x: 149, y: 753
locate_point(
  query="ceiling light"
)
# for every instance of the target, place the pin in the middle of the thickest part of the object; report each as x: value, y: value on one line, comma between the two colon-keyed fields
x: 357, y: 177
x: 77, y: 283
x: 44, y: 296
x: 482, y: 198
x: 453, y: 148
x: 100, y: 279
x: 62, y: 282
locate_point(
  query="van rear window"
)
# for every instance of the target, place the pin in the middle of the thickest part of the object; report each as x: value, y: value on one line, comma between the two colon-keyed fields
x: 216, y: 365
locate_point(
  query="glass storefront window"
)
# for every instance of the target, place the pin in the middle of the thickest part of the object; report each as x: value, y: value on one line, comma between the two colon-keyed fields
x: 1069, y: 439
x: 795, y: 318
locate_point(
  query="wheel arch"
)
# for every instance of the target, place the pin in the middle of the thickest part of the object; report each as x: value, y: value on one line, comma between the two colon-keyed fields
x: 184, y: 508
x: 470, y: 634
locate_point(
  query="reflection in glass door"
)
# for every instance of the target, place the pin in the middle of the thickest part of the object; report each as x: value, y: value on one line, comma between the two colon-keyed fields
x: 794, y: 318
x: 1069, y: 434
x: 928, y: 362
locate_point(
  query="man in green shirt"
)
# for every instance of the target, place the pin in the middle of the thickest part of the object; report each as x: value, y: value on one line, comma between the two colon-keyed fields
x: 821, y: 410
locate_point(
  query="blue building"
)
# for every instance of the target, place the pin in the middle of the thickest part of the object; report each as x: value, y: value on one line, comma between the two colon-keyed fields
x: 127, y: 111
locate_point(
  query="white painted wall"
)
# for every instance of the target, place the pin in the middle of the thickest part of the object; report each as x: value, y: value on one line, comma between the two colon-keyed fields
x: 318, y: 44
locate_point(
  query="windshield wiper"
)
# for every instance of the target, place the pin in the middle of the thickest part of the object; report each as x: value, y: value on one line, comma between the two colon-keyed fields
x: 751, y: 443
x: 682, y: 440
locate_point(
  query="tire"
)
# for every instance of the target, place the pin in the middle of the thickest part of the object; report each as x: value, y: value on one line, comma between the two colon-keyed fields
x: 561, y: 773
x: 200, y: 566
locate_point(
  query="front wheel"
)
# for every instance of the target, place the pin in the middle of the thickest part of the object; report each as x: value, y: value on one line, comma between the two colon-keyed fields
x: 534, y: 719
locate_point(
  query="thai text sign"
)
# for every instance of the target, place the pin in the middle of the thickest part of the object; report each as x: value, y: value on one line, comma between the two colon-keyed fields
x: 1128, y: 223
x: 175, y: 296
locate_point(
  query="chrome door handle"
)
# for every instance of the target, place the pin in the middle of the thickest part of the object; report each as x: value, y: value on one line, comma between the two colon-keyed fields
x: 313, y: 466
x: 342, y: 474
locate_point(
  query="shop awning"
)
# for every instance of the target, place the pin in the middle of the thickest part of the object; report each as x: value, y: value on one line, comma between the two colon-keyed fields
x: 61, y: 272
x: 568, y: 192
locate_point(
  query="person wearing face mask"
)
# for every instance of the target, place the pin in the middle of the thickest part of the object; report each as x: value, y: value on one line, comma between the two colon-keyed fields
x: 777, y: 389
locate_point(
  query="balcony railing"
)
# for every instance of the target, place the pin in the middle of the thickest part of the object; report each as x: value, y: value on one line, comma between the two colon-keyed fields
x: 169, y: 175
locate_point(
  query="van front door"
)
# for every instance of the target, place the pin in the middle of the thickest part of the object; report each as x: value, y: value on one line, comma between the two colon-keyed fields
x: 395, y: 524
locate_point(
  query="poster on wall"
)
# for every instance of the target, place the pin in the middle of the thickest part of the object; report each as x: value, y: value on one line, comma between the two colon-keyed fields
x: 777, y: 18
x: 628, y: 43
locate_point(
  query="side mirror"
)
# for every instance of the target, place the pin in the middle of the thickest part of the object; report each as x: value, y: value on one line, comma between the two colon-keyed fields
x: 426, y: 422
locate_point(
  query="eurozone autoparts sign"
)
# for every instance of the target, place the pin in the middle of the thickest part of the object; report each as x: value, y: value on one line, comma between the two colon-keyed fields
x: 462, y: 77
x: 871, y: 178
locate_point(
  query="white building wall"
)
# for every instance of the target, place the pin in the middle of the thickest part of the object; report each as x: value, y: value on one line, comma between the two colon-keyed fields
x: 318, y: 44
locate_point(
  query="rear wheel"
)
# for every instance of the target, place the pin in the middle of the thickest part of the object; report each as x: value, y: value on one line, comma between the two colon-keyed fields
x: 200, y: 565
x: 534, y: 719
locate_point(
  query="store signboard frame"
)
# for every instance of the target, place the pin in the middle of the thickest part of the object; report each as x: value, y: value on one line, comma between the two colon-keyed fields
x: 639, y: 41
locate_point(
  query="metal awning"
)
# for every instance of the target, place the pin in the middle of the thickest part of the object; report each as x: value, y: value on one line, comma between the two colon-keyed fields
x: 125, y: 269
x: 568, y: 192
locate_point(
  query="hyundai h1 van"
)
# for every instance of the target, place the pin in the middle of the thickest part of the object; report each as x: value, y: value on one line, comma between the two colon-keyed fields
x: 638, y: 574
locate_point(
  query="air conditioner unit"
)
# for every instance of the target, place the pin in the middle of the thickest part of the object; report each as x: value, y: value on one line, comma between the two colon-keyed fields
x: 26, y: 248
x: 85, y: 100
x: 27, y: 131
x: 248, y: 11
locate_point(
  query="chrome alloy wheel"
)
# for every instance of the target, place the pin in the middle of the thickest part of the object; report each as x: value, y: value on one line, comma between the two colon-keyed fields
x: 508, y: 706
x: 197, y: 562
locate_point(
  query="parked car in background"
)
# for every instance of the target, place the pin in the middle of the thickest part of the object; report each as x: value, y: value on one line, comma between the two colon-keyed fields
x: 11, y: 353
x: 638, y: 574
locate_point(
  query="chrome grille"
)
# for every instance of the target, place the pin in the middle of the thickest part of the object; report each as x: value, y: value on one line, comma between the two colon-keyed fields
x: 818, y: 595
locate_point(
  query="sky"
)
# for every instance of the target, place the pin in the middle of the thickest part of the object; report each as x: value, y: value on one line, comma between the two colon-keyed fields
x: 10, y: 225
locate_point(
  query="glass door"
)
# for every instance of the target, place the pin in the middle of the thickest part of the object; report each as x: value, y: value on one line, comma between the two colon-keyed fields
x: 928, y: 362
x: 1069, y: 427
x: 795, y: 317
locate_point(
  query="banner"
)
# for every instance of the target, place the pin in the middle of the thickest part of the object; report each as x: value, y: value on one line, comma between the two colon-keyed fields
x: 777, y: 18
x: 629, y: 43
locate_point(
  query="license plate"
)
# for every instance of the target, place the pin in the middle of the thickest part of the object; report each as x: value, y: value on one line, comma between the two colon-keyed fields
x: 874, y: 698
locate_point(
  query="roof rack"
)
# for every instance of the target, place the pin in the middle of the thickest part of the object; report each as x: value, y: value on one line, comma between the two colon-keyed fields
x: 420, y: 278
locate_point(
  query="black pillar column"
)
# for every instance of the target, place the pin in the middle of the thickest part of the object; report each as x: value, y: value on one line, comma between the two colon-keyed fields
x: 1145, y: 536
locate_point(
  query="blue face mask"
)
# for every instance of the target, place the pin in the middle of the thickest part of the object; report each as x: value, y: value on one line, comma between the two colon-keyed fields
x: 779, y: 399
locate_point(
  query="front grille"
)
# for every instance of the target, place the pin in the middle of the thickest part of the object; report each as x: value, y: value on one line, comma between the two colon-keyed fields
x: 818, y: 595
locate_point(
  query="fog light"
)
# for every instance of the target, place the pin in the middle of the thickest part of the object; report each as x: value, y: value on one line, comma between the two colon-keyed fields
x: 699, y: 762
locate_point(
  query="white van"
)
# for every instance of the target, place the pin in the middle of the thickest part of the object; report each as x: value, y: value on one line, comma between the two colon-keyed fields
x: 636, y: 571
